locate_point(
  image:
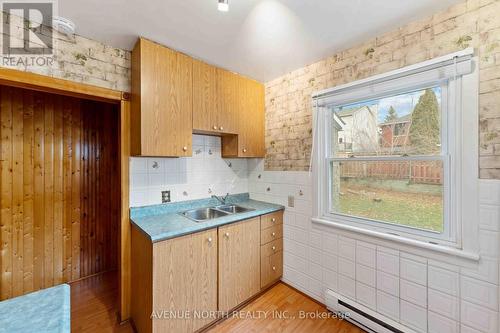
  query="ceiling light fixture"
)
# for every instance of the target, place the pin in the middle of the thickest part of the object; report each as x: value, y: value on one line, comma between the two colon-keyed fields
x: 223, y: 5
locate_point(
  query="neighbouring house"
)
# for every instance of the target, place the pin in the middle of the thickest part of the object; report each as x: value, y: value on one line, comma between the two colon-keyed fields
x: 359, y: 129
x: 394, y: 134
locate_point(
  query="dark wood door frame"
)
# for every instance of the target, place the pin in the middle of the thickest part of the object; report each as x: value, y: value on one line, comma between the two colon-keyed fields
x: 21, y: 79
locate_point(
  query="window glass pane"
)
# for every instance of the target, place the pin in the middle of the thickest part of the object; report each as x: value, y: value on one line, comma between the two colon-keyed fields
x: 402, y: 124
x: 407, y: 193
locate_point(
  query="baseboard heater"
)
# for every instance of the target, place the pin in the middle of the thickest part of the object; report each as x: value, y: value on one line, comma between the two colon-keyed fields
x: 362, y: 316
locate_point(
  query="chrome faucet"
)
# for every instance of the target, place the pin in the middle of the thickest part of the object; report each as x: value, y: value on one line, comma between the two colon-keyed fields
x: 221, y: 199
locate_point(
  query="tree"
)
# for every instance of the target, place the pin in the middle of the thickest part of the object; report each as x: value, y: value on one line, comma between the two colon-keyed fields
x: 391, y: 115
x: 424, y: 130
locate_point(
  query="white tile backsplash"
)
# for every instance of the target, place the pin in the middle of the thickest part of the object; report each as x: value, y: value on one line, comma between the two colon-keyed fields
x: 443, y: 304
x: 413, y: 316
x: 366, y: 295
x: 366, y: 275
x: 189, y: 178
x: 413, y: 271
x: 440, y: 324
x: 421, y: 292
x: 443, y: 280
x: 387, y: 262
x: 388, y: 305
x: 388, y: 283
x: 413, y: 293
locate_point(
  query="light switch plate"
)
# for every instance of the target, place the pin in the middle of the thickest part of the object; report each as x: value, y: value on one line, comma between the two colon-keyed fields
x: 291, y: 201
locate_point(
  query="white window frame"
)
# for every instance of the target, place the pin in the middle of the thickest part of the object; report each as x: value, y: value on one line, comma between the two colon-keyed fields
x: 457, y: 74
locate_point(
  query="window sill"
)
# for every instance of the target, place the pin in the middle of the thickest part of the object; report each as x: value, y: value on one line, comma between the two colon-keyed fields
x: 399, y: 239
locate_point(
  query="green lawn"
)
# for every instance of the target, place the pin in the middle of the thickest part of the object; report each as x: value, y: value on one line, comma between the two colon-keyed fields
x: 420, y: 210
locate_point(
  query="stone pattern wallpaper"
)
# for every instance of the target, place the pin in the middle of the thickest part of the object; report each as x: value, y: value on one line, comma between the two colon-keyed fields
x: 75, y: 58
x: 473, y: 23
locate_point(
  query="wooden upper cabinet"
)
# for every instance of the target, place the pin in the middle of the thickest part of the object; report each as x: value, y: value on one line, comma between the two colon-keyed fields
x: 251, y: 120
x: 161, y: 101
x: 227, y: 101
x: 215, y: 108
x: 174, y: 95
x: 205, y: 113
x: 250, y: 105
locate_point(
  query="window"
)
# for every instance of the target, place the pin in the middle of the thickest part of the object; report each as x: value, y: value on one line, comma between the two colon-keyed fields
x: 397, y: 180
x: 402, y: 171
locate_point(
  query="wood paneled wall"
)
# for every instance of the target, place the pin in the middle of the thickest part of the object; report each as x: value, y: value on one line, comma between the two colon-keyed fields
x: 59, y: 189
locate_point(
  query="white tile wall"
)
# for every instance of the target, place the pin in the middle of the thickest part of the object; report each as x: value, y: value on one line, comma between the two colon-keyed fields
x: 196, y: 177
x: 434, y: 296
x: 413, y: 316
x: 440, y: 324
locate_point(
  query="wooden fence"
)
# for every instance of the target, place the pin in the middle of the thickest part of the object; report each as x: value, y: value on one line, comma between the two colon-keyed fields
x: 417, y: 172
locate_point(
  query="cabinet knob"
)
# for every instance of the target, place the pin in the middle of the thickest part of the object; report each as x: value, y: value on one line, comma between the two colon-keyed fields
x: 221, y: 128
x: 226, y: 234
x: 184, y: 148
x: 273, y: 220
x: 274, y: 268
x: 215, y: 127
x: 209, y: 239
x: 274, y: 248
x: 273, y: 234
x: 244, y: 150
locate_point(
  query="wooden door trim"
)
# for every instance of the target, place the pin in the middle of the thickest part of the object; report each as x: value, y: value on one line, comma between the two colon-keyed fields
x: 125, y: 227
x: 37, y: 82
x: 32, y: 81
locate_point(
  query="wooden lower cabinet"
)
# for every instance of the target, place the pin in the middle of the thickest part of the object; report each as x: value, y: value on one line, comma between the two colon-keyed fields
x: 239, y: 263
x: 271, y: 250
x: 212, y: 270
x: 179, y: 280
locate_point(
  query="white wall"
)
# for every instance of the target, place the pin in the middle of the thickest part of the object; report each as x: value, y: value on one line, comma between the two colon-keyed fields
x: 424, y: 292
x: 189, y: 178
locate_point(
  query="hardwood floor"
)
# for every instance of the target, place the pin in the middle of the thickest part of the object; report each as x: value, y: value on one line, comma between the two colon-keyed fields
x: 95, y: 302
x: 281, y: 299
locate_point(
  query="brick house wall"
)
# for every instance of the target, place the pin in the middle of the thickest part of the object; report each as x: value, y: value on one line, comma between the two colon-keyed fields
x: 473, y: 23
x: 77, y: 59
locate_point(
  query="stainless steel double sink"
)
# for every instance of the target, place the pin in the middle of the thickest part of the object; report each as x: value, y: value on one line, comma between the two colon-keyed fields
x: 210, y: 213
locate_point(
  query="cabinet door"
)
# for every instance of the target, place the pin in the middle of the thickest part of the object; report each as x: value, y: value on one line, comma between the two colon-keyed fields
x: 162, y: 101
x: 239, y: 263
x: 251, y: 119
x: 227, y: 101
x: 205, y: 112
x: 185, y: 279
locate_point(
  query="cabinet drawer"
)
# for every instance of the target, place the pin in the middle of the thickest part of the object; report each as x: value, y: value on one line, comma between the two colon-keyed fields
x: 271, y: 248
x: 270, y: 220
x: 271, y: 268
x: 270, y: 234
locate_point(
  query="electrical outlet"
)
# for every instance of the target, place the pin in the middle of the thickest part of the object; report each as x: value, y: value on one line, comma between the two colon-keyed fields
x: 291, y: 201
x: 165, y: 196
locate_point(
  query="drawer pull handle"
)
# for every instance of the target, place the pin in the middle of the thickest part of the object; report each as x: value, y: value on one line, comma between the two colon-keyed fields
x: 215, y: 127
x: 274, y: 248
x: 184, y: 148
x: 209, y: 239
x: 244, y: 150
x: 221, y: 128
x: 273, y: 220
x: 273, y: 234
x: 226, y: 234
x: 274, y: 268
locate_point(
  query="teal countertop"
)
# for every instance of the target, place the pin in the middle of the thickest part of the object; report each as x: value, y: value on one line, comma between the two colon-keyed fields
x: 43, y: 311
x: 161, y: 222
